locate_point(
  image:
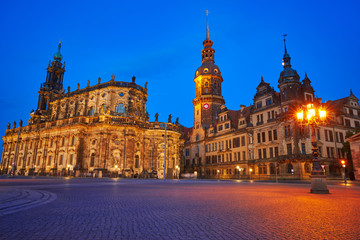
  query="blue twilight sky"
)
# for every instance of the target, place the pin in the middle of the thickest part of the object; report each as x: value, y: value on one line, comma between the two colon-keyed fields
x: 160, y: 42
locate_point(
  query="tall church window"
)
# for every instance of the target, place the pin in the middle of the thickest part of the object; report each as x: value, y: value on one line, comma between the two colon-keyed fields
x: 137, y: 161
x: 120, y: 108
x: 92, y: 160
x: 91, y: 111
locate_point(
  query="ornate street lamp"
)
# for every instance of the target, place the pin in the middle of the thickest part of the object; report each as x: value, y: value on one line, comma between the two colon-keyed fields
x: 314, y: 116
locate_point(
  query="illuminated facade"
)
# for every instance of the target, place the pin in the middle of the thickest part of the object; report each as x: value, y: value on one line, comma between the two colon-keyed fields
x: 262, y: 141
x: 104, y: 128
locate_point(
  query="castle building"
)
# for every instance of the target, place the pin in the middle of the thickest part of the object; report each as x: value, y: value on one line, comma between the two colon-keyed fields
x: 263, y: 140
x: 102, y: 128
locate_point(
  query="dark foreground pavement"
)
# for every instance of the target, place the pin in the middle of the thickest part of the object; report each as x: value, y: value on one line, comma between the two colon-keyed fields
x: 156, y: 209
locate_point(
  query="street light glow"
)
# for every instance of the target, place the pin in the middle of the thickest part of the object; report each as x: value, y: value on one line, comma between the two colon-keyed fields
x: 322, y: 114
x: 300, y: 115
x: 311, y: 113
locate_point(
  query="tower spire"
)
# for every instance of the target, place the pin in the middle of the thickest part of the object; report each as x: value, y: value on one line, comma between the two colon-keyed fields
x: 207, y: 25
x: 57, y: 56
x: 285, y: 35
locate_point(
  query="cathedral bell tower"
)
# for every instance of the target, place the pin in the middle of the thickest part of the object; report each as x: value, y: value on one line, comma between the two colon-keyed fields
x: 208, y: 81
x: 53, y: 85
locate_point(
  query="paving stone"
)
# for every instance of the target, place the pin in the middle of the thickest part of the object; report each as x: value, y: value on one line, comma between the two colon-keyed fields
x: 141, y: 209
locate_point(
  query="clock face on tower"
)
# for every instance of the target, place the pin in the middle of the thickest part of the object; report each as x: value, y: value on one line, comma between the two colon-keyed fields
x: 206, y: 106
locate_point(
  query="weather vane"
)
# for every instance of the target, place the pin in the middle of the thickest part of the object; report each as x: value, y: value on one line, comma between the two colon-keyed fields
x: 285, y: 35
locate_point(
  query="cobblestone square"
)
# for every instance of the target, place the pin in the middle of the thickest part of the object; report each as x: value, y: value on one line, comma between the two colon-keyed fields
x: 60, y: 208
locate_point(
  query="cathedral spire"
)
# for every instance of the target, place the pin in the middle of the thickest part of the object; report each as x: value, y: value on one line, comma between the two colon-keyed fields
x: 207, y: 43
x: 207, y: 25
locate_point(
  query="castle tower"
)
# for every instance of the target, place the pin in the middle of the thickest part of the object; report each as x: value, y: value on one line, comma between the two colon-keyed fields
x: 208, y: 81
x: 53, y: 84
x: 289, y: 84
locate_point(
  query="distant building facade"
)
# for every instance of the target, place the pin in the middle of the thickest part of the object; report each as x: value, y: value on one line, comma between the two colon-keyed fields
x: 355, y: 153
x: 264, y: 140
x: 104, y: 128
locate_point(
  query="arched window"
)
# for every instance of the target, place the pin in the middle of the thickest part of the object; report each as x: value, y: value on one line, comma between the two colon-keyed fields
x: 63, y: 142
x: 91, y: 111
x: 73, y: 141
x: 120, y: 108
x: 197, y: 137
x: 92, y: 160
x: 103, y: 108
x: 137, y: 161
x: 290, y: 168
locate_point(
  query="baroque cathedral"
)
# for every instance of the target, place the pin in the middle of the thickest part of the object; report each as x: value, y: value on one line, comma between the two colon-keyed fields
x: 263, y: 140
x: 102, y: 129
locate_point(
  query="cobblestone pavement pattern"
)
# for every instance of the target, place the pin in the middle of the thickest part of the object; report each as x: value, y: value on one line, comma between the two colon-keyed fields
x: 154, y: 209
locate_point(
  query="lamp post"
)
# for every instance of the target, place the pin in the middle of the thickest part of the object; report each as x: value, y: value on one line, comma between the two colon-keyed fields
x: 250, y: 172
x: 313, y: 116
x: 343, y: 164
x: 276, y: 178
x: 218, y: 171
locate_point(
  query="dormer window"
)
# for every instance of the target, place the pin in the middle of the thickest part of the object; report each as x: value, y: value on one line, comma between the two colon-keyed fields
x: 206, y: 70
x: 308, y: 97
x: 268, y: 101
x: 259, y: 105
